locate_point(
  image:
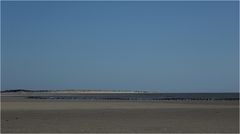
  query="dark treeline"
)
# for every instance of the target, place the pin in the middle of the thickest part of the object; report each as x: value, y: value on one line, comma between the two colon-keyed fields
x: 22, y: 90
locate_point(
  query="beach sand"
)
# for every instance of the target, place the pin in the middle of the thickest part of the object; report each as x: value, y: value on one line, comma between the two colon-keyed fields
x: 52, y: 116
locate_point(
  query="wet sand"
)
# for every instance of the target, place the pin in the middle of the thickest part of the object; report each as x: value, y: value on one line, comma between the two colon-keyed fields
x: 53, y: 116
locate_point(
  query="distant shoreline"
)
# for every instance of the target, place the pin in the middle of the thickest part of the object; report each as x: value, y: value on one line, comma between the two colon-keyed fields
x: 116, y: 95
x: 101, y: 91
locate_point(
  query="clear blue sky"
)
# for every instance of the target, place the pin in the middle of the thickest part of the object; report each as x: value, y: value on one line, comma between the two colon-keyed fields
x: 164, y: 46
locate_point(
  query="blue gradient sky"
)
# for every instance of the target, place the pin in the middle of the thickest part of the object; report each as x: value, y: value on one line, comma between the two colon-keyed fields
x: 164, y: 46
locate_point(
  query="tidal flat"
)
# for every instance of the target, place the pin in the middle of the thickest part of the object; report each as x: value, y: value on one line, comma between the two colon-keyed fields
x: 21, y: 114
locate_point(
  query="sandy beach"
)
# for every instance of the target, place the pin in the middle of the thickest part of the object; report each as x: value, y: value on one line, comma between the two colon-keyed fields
x: 19, y: 114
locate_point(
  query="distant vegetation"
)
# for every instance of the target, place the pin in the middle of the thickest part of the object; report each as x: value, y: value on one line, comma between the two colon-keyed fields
x: 72, y: 91
x: 22, y: 90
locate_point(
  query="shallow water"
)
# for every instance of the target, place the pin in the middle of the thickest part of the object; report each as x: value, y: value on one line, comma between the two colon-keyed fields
x: 145, y: 96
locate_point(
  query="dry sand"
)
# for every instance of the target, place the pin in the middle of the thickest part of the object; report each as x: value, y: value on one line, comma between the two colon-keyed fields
x: 51, y: 116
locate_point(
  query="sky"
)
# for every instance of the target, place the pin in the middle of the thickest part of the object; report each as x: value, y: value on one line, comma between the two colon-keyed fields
x: 161, y: 46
